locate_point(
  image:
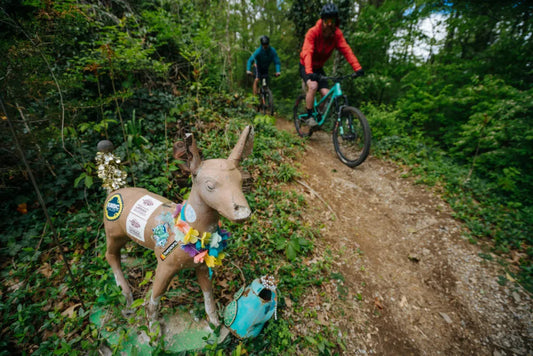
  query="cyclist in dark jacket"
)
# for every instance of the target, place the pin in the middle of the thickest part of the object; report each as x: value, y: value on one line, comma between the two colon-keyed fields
x: 262, y: 57
x: 319, y: 43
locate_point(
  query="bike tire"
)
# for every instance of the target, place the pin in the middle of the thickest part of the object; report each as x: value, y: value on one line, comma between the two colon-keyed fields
x: 352, y: 137
x: 266, y: 102
x: 299, y: 116
x: 269, y: 100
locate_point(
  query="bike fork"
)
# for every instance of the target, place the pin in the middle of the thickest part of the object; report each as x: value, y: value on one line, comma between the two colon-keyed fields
x: 339, y: 118
x: 351, y: 134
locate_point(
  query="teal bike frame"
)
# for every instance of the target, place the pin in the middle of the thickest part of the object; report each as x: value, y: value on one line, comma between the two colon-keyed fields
x: 349, y: 128
x: 334, y: 93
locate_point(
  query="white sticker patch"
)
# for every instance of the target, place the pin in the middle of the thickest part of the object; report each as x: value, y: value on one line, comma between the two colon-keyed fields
x: 190, y: 214
x: 139, y: 215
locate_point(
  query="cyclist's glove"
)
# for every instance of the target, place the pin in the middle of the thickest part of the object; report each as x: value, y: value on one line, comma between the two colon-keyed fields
x: 359, y: 73
x: 314, y: 77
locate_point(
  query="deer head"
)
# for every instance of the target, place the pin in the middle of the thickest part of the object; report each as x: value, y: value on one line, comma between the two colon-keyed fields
x: 217, y: 183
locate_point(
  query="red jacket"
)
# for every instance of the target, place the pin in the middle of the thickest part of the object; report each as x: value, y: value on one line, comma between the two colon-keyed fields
x: 316, y: 49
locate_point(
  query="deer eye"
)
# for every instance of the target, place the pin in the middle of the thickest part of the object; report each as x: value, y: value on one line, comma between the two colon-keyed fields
x: 210, y: 185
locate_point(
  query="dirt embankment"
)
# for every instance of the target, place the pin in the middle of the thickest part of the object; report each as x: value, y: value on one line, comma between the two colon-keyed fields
x: 410, y: 284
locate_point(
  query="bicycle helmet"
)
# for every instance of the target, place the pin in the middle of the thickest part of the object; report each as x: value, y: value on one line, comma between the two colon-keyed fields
x: 329, y: 10
x: 264, y: 40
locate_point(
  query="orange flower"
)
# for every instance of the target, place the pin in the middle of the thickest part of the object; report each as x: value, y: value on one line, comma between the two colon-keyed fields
x: 183, y: 226
x: 22, y: 208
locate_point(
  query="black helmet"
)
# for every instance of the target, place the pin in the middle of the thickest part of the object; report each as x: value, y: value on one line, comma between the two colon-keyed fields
x: 329, y: 10
x: 264, y: 40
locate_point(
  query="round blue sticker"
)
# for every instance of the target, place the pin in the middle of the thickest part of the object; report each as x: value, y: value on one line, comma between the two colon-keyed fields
x: 114, y: 207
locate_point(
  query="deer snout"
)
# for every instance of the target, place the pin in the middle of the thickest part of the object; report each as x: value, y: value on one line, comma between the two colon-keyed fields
x: 241, y: 212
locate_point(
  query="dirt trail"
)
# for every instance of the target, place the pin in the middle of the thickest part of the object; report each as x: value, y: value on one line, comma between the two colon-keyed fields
x: 409, y: 284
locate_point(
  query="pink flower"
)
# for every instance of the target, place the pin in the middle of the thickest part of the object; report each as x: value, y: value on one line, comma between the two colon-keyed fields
x: 200, y: 257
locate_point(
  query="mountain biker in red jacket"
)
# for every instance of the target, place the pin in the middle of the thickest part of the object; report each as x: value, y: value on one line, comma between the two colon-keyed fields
x: 319, y: 43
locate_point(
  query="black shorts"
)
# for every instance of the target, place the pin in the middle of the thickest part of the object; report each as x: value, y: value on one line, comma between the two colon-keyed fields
x: 257, y: 73
x: 323, y: 83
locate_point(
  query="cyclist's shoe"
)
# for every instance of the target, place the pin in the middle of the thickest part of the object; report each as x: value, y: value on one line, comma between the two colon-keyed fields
x: 311, y: 122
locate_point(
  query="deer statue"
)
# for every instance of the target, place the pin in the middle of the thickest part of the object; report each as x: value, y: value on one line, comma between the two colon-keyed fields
x: 183, y: 235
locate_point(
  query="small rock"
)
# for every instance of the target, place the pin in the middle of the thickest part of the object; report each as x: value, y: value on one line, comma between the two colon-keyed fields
x: 516, y: 297
x: 403, y: 302
x: 413, y: 257
x: 446, y: 317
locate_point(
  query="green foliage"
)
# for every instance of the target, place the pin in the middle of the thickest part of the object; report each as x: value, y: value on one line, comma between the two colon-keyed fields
x: 498, y: 136
x: 268, y: 241
x: 264, y: 120
x: 304, y: 14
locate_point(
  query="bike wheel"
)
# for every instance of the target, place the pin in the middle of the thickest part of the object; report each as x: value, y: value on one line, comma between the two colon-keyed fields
x: 266, y: 101
x: 351, y: 137
x: 300, y: 116
x: 269, y: 101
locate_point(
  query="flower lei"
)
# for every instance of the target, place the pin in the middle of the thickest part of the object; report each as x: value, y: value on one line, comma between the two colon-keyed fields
x: 206, y: 247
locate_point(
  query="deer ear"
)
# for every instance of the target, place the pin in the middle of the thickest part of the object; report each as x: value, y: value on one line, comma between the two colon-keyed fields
x: 244, y: 146
x: 187, y: 151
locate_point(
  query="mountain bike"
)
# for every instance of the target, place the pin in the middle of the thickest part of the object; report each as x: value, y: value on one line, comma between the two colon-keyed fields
x: 266, y: 101
x: 351, y: 132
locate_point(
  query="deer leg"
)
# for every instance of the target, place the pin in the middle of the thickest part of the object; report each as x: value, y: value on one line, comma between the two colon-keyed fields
x: 163, y: 276
x: 112, y: 255
x: 202, y: 273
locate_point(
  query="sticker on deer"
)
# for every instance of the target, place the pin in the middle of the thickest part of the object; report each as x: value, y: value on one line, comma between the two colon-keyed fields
x: 139, y: 215
x: 190, y: 214
x: 114, y: 207
x: 161, y: 234
x: 145, y: 206
x: 168, y: 250
x: 162, y: 231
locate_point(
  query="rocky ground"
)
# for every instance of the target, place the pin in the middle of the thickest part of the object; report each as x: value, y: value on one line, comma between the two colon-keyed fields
x: 409, y: 283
